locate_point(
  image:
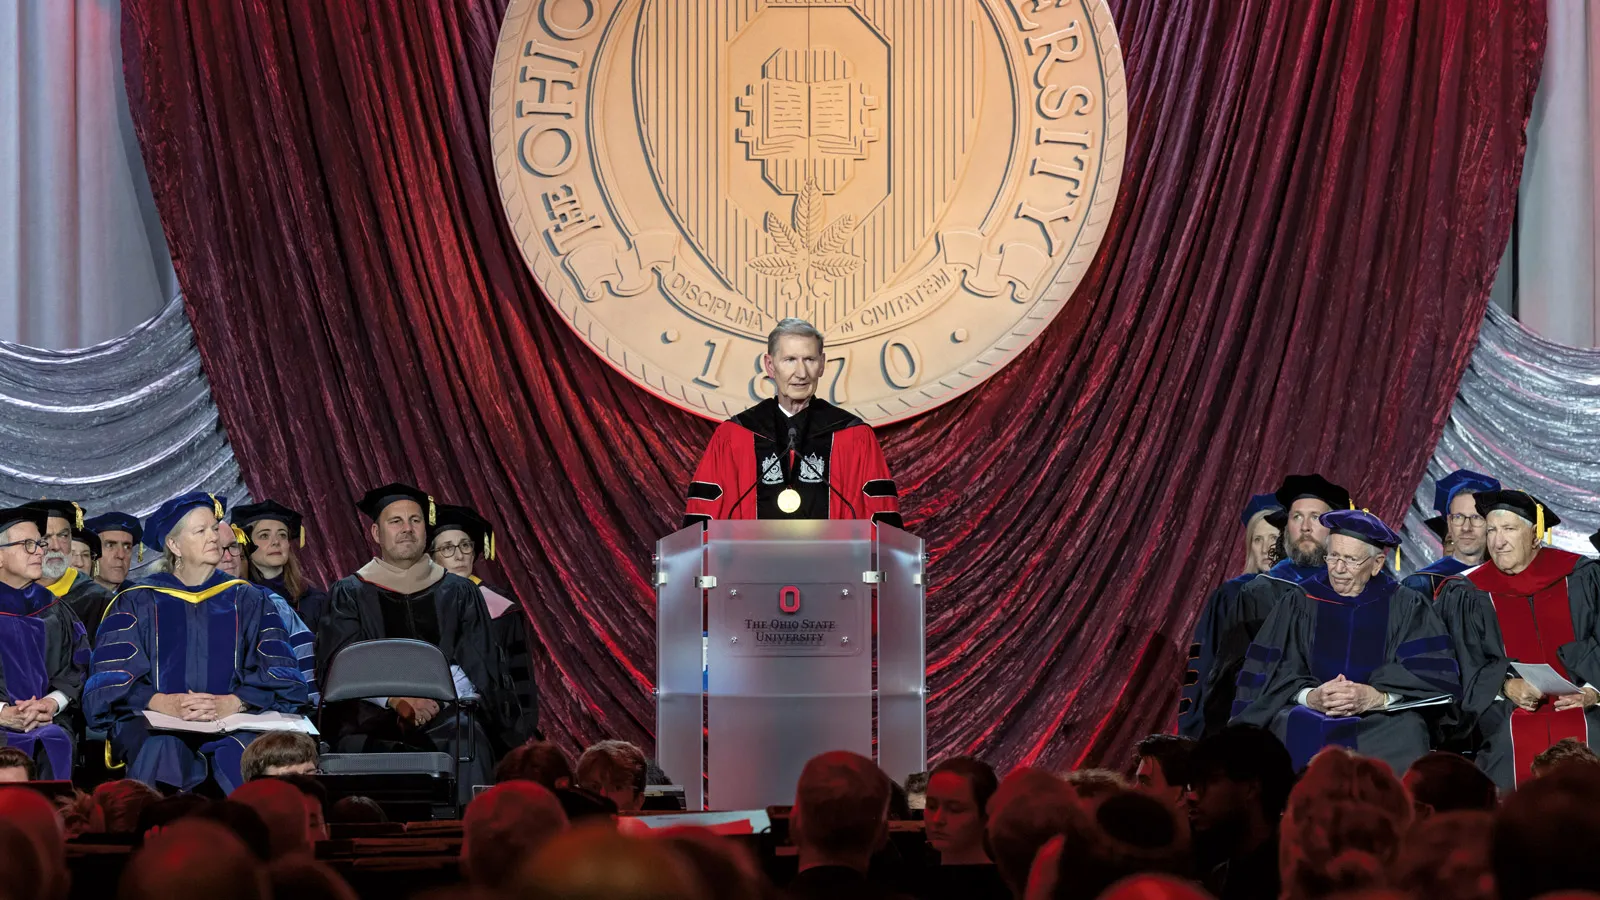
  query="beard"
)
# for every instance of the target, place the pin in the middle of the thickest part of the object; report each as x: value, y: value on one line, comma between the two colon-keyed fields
x: 54, y: 565
x: 1314, y: 557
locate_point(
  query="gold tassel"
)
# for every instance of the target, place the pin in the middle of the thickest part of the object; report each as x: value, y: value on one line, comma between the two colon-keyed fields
x: 238, y: 534
x: 79, y: 510
x: 432, y: 516
x: 141, y: 553
x: 1538, y: 522
x: 489, y: 551
x: 1353, y: 505
x: 216, y: 506
x: 302, y: 535
x: 1397, y: 559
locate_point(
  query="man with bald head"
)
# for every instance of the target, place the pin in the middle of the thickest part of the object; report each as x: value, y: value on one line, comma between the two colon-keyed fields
x: 1030, y: 807
x: 30, y: 813
x: 192, y: 859
x: 504, y: 826
x: 840, y: 819
x: 279, y: 805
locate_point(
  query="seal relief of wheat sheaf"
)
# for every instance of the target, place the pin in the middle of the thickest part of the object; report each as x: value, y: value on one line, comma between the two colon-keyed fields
x: 810, y: 254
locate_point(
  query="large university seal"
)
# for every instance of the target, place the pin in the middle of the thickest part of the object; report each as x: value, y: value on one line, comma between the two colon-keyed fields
x: 924, y: 180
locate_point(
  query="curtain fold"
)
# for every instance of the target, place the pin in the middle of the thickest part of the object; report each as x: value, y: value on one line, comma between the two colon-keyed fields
x: 121, y: 425
x: 1315, y: 199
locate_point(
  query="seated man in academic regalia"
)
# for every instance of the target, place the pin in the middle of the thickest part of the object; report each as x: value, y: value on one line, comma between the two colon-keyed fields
x: 1345, y: 648
x: 78, y: 588
x: 193, y: 643
x: 1463, y: 530
x: 1225, y: 632
x: 44, y: 650
x: 458, y: 538
x: 1530, y: 604
x: 795, y: 456
x: 1261, y: 536
x: 404, y: 594
x: 121, y: 537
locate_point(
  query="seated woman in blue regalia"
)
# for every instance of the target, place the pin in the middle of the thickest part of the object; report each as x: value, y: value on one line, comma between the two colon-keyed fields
x: 1338, y: 657
x: 44, y: 650
x: 192, y: 643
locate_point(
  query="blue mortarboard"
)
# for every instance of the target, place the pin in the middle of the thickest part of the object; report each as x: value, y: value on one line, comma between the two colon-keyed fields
x: 1298, y: 486
x: 1361, y: 525
x: 1258, y: 504
x: 1446, y: 488
x: 160, y: 523
x: 115, y: 521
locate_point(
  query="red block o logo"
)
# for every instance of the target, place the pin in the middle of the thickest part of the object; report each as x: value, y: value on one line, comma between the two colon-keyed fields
x: 789, y: 600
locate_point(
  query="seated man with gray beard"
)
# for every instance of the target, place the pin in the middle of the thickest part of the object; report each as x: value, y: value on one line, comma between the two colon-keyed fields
x: 1340, y: 654
x: 81, y: 592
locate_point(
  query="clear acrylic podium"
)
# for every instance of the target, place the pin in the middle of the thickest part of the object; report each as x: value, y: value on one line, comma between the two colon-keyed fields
x: 765, y: 653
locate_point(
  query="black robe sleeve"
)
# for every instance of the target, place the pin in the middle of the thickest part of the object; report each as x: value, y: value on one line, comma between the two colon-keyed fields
x: 68, y: 650
x: 511, y: 633
x: 339, y: 625
x: 1469, y: 618
x: 1197, y: 687
x: 472, y: 646
x: 1582, y: 657
x: 1277, y: 665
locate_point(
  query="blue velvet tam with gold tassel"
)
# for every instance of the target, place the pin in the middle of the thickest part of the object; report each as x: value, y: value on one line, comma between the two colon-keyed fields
x: 160, y: 523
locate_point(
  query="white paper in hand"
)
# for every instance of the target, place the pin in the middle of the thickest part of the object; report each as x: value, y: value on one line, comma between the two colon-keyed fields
x: 1545, y: 679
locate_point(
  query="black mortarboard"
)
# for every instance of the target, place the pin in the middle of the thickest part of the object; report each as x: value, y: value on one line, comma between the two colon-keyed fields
x: 1297, y: 486
x: 1524, y: 504
x: 1440, y: 526
x: 465, y: 518
x: 269, y: 511
x: 1595, y: 540
x: 1259, y: 503
x: 85, y: 536
x: 376, y: 500
x: 62, y: 509
x: 16, y: 515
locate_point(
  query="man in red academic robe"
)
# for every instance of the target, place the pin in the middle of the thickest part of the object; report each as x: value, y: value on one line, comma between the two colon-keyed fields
x: 794, y: 456
x: 1529, y: 604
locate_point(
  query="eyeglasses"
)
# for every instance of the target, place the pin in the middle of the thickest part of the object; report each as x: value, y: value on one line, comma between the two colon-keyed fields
x: 1336, y: 561
x: 1460, y: 519
x: 448, y: 550
x: 232, y: 549
x: 29, y: 545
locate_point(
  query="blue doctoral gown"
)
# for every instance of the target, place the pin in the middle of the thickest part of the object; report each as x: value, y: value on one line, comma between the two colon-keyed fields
x: 163, y: 637
x: 1388, y: 637
x: 43, y: 648
x: 1227, y: 624
x: 1428, y: 579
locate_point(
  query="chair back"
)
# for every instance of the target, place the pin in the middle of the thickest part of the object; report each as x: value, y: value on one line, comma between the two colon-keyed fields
x: 393, y: 667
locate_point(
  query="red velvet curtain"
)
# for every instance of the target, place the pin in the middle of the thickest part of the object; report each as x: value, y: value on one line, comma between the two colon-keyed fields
x: 1316, y: 196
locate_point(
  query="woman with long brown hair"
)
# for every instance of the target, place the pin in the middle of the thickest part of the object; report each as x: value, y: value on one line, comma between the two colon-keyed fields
x: 274, y: 532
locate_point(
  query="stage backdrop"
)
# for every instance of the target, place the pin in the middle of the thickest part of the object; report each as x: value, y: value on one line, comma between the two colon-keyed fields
x: 1315, y: 198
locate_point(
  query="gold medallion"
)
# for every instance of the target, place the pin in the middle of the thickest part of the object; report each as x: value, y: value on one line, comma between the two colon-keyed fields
x: 925, y: 182
x: 789, y: 500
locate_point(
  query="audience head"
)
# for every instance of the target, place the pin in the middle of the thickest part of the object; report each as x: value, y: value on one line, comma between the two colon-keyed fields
x: 841, y: 810
x: 1163, y: 769
x: 279, y: 753
x: 1241, y: 778
x: 1447, y: 856
x: 1445, y: 782
x: 25, y: 876
x: 194, y: 858
x: 302, y: 878
x: 615, y: 769
x: 594, y: 862
x: 245, y: 823
x: 956, y: 808
x: 1332, y: 845
x: 1338, y: 774
x: 583, y: 805
x: 1567, y: 751
x: 357, y: 811
x: 34, y: 816
x: 537, y: 761
x: 22, y: 557
x: 315, y: 799
x: 118, y: 806
x: 727, y: 869
x: 1095, y: 785
x: 280, y: 806
x: 1133, y: 833
x: 15, y: 766
x: 1541, y: 835
x: 503, y: 827
x: 1029, y: 808
x: 1155, y: 887
x: 399, y: 514
x: 162, y: 812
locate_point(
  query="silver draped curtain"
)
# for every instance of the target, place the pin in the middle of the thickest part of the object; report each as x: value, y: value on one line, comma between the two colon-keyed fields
x: 121, y: 425
x: 1528, y: 413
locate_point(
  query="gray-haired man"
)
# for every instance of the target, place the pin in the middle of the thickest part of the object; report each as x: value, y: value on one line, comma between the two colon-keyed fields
x: 794, y: 456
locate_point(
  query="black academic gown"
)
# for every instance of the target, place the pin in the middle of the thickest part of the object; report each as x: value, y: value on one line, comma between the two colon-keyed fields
x: 510, y: 629
x: 1388, y: 637
x: 43, y: 648
x: 1228, y: 623
x: 308, y: 606
x: 87, y: 599
x: 1485, y: 611
x: 1428, y: 579
x: 450, y: 615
